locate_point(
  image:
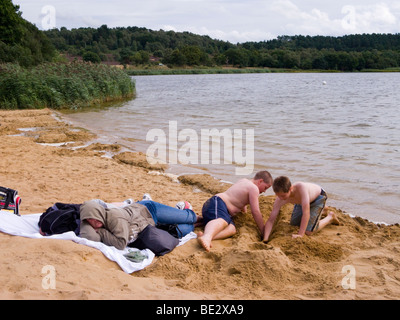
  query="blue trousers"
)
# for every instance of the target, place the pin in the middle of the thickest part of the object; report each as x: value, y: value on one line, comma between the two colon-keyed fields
x: 161, y: 213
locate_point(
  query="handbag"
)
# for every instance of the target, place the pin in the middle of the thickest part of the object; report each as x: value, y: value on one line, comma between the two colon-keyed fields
x: 172, y: 229
x: 160, y: 242
x: 9, y: 200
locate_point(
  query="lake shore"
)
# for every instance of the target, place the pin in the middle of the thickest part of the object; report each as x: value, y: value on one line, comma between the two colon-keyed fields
x: 164, y: 70
x: 50, y: 161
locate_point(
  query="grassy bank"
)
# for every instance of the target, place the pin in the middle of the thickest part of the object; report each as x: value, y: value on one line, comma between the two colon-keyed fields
x: 65, y: 85
x: 184, y: 71
x: 173, y: 71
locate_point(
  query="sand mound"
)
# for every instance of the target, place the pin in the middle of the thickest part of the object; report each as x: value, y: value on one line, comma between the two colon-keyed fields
x: 204, y: 182
x: 138, y: 159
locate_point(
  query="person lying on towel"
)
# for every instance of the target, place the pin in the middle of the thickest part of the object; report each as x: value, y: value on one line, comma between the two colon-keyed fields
x: 120, y: 226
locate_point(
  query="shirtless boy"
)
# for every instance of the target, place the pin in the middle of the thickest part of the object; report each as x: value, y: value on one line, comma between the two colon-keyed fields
x: 219, y: 210
x: 309, y: 200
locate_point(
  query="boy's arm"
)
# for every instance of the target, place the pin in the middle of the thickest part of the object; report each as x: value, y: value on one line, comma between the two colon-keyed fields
x: 305, y: 207
x: 255, y: 209
x: 270, y: 222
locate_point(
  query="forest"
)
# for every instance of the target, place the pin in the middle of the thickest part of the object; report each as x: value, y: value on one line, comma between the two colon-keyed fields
x: 140, y: 46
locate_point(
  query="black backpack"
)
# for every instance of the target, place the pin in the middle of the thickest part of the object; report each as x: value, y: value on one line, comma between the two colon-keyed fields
x: 60, y: 218
x: 9, y: 200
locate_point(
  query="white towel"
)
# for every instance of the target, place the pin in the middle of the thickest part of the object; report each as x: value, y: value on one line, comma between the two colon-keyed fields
x: 27, y: 226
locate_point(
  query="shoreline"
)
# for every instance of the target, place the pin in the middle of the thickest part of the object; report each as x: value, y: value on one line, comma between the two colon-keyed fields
x: 133, y: 71
x: 226, y: 175
x: 238, y: 268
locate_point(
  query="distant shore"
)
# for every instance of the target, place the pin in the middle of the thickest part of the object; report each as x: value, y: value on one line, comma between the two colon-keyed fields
x: 163, y: 70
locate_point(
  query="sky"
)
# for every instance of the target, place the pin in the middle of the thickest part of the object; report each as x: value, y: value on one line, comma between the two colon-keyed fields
x: 236, y: 21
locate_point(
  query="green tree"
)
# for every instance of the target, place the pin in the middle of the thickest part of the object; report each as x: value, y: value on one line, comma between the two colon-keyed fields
x: 21, y: 41
x: 238, y: 57
x: 90, y: 56
x: 176, y: 58
x: 11, y: 30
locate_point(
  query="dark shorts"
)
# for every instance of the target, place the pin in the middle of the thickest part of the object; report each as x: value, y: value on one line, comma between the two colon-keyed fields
x: 316, y: 208
x: 215, y: 208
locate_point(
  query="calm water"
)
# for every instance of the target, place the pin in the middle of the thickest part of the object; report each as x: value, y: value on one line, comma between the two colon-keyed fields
x: 338, y: 130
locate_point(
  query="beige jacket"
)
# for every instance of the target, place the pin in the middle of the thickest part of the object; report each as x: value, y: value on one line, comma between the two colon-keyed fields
x: 120, y: 225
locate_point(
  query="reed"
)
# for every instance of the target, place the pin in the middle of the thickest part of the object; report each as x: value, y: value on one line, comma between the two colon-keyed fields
x: 62, y: 85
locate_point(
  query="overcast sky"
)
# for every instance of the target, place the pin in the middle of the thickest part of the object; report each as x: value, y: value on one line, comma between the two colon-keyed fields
x: 231, y: 20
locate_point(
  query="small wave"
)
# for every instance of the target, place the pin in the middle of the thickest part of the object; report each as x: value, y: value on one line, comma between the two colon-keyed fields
x: 356, y: 136
x: 361, y: 125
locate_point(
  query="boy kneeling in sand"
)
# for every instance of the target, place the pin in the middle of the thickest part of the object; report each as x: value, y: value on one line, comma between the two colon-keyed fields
x: 309, y: 200
x: 219, y: 210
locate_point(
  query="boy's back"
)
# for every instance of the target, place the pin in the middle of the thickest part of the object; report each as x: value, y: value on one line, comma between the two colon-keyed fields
x: 301, y: 190
x: 237, y: 196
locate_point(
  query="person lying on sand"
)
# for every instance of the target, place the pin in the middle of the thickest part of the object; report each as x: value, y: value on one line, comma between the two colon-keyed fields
x: 219, y: 210
x: 119, y: 224
x: 309, y: 200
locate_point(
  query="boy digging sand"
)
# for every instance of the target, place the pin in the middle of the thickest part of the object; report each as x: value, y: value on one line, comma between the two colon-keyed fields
x: 219, y: 210
x: 309, y: 200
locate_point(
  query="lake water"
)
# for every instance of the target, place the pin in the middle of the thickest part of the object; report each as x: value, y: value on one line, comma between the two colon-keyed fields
x: 337, y: 130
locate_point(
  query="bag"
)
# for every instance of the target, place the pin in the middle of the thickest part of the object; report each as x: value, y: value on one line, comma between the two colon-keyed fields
x: 9, y: 200
x: 160, y: 242
x: 172, y: 229
x: 60, y: 218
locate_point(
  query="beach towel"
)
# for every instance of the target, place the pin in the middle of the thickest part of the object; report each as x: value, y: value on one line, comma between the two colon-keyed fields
x: 27, y: 226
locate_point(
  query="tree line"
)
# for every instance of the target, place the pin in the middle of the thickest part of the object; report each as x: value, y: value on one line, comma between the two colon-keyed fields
x: 134, y: 45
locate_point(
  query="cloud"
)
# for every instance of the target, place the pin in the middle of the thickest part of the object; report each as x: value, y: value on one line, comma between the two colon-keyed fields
x: 296, y: 21
x: 234, y: 36
x: 373, y: 18
x: 229, y: 20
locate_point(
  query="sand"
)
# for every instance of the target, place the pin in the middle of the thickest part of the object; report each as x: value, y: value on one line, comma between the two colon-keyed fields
x: 239, y: 268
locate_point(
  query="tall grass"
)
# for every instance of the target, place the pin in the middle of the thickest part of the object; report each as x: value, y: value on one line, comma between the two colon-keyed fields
x: 62, y: 85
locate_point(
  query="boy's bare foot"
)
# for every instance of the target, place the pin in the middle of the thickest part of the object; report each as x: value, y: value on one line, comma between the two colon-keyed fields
x: 204, y: 242
x: 334, y: 218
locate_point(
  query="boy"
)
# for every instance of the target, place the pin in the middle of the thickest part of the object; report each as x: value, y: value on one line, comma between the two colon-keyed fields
x: 219, y: 210
x: 309, y: 200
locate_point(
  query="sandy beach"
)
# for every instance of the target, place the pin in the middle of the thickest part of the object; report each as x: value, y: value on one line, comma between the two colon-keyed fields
x: 239, y: 268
